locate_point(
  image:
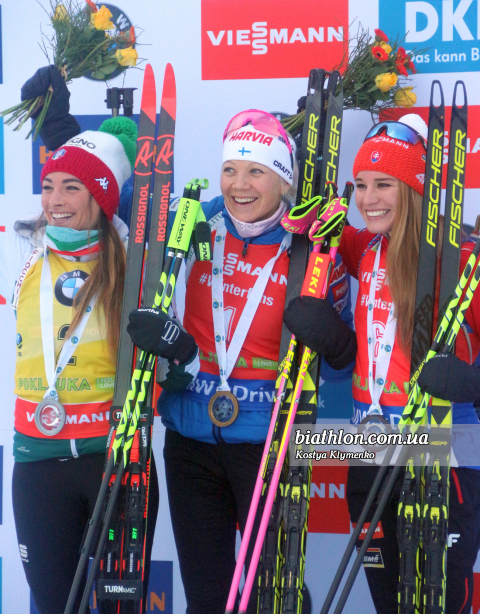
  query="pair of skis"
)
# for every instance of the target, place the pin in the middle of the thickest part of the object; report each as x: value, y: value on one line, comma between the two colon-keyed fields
x: 117, y: 529
x: 423, y: 506
x: 281, y: 542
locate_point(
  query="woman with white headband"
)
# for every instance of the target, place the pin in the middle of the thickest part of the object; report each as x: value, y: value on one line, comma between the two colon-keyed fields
x: 217, y: 427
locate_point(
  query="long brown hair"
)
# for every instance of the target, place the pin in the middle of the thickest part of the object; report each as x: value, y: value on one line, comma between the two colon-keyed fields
x: 106, y: 280
x: 402, y: 261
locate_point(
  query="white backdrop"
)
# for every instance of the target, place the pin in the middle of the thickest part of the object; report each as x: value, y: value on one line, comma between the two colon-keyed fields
x: 173, y: 33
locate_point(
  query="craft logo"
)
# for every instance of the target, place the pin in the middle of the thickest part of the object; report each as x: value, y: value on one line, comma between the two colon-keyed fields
x: 328, y: 502
x: 472, y: 145
x: 449, y: 30
x: 267, y: 39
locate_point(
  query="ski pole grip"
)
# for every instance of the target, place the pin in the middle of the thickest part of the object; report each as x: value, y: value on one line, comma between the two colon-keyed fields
x: 316, y: 275
x: 203, y: 241
x: 183, y: 224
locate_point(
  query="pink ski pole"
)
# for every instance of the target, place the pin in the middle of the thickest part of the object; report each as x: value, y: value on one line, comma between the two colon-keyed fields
x: 257, y: 493
x: 332, y: 218
x: 307, y: 357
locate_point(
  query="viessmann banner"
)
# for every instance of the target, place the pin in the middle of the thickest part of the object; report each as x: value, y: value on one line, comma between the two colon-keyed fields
x: 252, y: 39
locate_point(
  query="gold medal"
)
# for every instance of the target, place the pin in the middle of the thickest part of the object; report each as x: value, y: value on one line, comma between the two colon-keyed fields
x: 223, y: 408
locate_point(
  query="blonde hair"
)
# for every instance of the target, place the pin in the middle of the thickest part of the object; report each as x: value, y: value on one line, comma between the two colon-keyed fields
x: 402, y: 261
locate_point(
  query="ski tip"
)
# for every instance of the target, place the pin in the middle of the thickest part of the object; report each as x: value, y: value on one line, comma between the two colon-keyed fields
x: 149, y: 95
x: 169, y: 94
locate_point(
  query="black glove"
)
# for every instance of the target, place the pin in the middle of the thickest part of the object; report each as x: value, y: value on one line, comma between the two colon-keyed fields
x: 301, y: 104
x: 317, y: 325
x: 152, y: 330
x: 58, y: 125
x: 447, y: 377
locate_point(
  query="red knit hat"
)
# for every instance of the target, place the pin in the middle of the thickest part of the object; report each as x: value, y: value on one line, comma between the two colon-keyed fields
x: 391, y: 156
x: 103, y: 160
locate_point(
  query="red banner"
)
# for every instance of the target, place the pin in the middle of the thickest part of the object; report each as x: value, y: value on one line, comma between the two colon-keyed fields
x: 328, y: 501
x: 476, y: 594
x: 266, y: 39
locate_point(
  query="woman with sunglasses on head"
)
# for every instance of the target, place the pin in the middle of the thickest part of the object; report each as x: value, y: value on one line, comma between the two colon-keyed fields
x: 217, y: 427
x: 388, y: 171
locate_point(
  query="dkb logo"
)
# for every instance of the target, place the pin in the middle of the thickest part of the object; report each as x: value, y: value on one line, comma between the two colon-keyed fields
x: 450, y: 28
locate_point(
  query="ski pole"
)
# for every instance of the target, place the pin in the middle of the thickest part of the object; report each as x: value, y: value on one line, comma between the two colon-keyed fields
x: 188, y: 213
x: 322, y: 264
x: 355, y: 535
x: 446, y: 334
x: 309, y: 210
x: 315, y: 205
x: 368, y: 537
x: 293, y: 498
x: 142, y: 173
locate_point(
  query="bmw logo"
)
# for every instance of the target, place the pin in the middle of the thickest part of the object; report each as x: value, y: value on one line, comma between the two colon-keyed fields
x: 67, y: 286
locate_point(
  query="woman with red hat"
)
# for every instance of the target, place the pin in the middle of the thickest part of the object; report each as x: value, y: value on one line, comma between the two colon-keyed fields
x: 65, y: 270
x: 389, y: 172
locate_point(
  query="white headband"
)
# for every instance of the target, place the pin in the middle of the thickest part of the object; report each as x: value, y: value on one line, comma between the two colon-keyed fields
x: 253, y: 145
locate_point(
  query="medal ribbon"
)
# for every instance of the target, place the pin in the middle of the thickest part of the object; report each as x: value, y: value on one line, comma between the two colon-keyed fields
x: 376, y: 385
x: 46, y: 322
x: 228, y: 359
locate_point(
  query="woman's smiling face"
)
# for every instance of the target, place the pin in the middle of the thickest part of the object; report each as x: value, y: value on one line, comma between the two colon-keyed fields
x: 376, y: 196
x: 67, y: 202
x: 251, y: 190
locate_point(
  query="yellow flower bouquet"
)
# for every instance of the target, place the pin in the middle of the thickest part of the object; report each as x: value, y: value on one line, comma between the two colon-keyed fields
x: 373, y: 76
x: 84, y: 41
